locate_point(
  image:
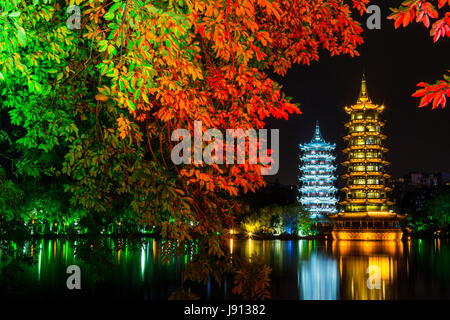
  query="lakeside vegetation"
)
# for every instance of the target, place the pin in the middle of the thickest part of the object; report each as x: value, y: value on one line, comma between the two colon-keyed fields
x: 47, y: 212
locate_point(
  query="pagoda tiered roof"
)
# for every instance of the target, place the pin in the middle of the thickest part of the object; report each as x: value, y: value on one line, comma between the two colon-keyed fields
x: 317, y: 142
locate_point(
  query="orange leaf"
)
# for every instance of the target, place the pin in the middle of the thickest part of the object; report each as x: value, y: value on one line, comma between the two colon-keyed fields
x: 101, y: 97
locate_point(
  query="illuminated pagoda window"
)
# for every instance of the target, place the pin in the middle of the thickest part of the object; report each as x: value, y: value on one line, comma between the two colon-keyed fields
x: 317, y: 191
x: 366, y: 212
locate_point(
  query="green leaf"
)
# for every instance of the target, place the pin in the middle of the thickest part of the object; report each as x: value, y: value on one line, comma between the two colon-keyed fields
x: 21, y: 35
x: 102, y: 45
x: 14, y: 14
x: 114, y: 7
x: 137, y: 93
x: 109, y: 16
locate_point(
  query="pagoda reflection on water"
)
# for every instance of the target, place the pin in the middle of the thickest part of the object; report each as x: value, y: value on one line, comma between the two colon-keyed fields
x: 366, y: 212
x: 369, y: 270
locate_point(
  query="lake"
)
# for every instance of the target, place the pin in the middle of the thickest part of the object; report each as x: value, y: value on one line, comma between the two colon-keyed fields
x: 301, y: 269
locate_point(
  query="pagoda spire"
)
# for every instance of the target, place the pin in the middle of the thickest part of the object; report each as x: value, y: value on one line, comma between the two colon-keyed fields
x: 317, y: 135
x: 363, y: 97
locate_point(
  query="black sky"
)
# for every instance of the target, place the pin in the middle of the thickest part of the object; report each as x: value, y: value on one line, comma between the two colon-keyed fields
x: 394, y: 62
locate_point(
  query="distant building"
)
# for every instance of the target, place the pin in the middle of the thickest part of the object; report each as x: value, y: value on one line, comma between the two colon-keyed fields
x: 413, y: 189
x: 317, y: 191
x: 419, y: 179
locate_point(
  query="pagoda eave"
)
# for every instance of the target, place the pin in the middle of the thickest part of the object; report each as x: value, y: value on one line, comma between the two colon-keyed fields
x: 384, y: 215
x: 362, y: 121
x: 365, y: 147
x: 362, y: 106
x: 365, y: 174
x: 366, y: 201
x: 378, y: 187
x: 366, y: 160
x: 364, y: 133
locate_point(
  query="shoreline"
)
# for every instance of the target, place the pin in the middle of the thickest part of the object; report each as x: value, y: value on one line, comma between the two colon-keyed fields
x: 234, y: 237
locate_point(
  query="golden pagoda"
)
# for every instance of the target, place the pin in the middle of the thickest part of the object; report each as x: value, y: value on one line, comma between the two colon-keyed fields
x: 367, y: 212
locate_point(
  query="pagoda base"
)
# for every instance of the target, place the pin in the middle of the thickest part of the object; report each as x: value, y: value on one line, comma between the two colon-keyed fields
x: 373, y: 234
x: 371, y: 225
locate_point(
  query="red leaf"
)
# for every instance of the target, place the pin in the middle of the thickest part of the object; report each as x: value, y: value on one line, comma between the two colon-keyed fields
x: 398, y: 22
x: 437, y: 99
x: 425, y: 100
x: 406, y: 19
x: 419, y: 93
x: 201, y: 30
x: 426, y: 21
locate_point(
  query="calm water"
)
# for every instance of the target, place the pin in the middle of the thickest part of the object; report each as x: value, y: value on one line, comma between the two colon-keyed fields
x: 417, y: 269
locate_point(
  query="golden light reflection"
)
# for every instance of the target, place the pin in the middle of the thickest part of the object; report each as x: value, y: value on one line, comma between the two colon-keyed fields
x: 437, y: 245
x: 368, y: 269
x: 391, y: 248
x: 254, y: 247
x: 409, y: 244
x: 384, y: 264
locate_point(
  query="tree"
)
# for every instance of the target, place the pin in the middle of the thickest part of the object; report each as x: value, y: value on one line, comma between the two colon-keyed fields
x: 10, y: 197
x: 96, y: 107
x: 99, y: 107
x: 294, y: 218
x: 305, y: 223
x: 438, y: 208
x: 423, y: 11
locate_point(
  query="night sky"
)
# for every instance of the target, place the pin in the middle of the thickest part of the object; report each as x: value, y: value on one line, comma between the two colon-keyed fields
x: 394, y: 62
